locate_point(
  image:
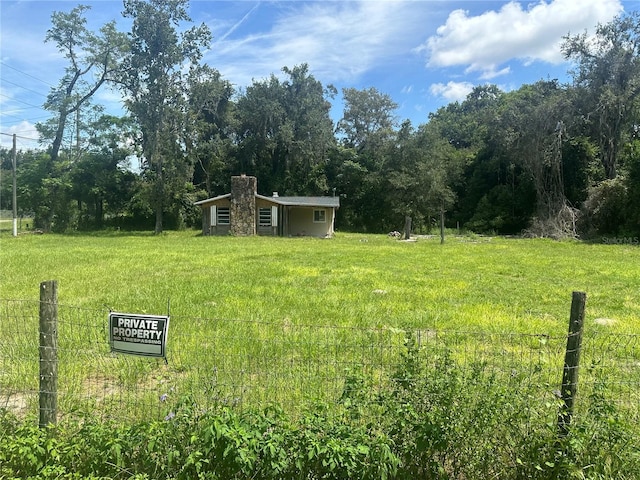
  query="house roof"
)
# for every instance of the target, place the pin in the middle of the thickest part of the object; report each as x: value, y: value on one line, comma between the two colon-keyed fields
x: 327, y: 202
x: 213, y: 199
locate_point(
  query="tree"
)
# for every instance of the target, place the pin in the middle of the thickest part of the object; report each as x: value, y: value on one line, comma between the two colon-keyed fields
x: 350, y: 179
x: 420, y: 174
x: 154, y: 84
x: 45, y: 190
x: 93, y: 60
x: 491, y: 188
x: 366, y: 133
x: 209, y: 138
x: 368, y: 118
x: 286, y: 132
x: 102, y: 181
x: 311, y: 127
x: 261, y: 116
x: 608, y: 74
x: 535, y: 129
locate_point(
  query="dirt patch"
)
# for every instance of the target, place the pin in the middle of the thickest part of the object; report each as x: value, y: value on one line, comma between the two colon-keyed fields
x: 100, y: 387
x: 607, y: 322
x: 16, y: 403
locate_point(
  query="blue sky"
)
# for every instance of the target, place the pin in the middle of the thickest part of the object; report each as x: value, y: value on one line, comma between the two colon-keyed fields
x: 422, y: 53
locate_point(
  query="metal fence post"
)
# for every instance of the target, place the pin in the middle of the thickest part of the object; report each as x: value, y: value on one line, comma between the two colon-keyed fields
x: 48, y: 392
x: 571, y: 362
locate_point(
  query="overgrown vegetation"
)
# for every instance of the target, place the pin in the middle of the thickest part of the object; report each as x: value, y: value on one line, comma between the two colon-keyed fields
x: 550, y: 159
x: 435, y: 420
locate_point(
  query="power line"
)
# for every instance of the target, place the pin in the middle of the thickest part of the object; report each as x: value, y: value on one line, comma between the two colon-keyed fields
x: 23, y: 119
x: 25, y: 73
x: 21, y: 101
x: 20, y: 137
x: 26, y: 131
x: 24, y: 88
x: 5, y: 114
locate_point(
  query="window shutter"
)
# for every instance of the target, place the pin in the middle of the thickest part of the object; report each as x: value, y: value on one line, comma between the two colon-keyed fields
x: 274, y: 216
x: 213, y: 216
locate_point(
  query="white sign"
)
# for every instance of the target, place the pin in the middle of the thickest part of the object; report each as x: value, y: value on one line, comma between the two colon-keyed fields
x: 138, y: 334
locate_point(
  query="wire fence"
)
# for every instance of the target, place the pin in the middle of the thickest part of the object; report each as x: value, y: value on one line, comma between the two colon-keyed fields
x: 249, y: 364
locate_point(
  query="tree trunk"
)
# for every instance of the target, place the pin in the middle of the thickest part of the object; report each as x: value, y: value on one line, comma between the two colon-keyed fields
x: 99, y: 212
x: 57, y: 141
x: 159, y: 200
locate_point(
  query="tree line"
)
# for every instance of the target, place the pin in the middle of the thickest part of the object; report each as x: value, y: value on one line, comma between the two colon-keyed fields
x: 547, y: 159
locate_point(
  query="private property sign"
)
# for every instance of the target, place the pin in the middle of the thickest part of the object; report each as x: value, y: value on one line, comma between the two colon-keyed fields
x: 138, y: 334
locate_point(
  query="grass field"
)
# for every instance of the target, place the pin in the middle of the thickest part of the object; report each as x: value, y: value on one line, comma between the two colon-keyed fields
x: 493, y: 284
x: 288, y: 317
x: 303, y: 322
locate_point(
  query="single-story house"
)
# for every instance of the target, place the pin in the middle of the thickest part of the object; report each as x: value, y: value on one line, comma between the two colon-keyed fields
x: 245, y: 212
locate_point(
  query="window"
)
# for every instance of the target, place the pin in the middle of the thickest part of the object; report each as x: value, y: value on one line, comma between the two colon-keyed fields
x: 319, y: 216
x: 264, y: 217
x: 223, y: 216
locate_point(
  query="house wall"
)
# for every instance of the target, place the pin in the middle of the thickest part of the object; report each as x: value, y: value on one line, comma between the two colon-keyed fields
x: 242, y: 216
x: 212, y: 228
x: 272, y: 229
x: 300, y: 222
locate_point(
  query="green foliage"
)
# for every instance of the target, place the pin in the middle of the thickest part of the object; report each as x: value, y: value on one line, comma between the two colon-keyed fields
x: 632, y: 177
x: 504, y: 162
x: 606, y: 77
x: 285, y: 132
x: 93, y: 60
x: 604, y: 210
x: 153, y: 80
x: 435, y: 418
x: 367, y: 122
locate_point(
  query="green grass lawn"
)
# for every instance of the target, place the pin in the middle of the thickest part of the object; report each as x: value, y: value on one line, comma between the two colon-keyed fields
x: 289, y: 317
x: 351, y: 280
x: 6, y: 223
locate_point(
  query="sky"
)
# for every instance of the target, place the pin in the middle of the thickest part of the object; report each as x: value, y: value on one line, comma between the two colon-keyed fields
x: 424, y: 54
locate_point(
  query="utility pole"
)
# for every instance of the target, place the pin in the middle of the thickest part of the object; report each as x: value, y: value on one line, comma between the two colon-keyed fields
x: 15, y: 195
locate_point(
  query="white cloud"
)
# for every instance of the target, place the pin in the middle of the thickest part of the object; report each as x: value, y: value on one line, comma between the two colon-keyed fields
x: 485, y: 42
x: 452, y: 91
x: 492, y: 73
x: 338, y: 40
x: 26, y: 133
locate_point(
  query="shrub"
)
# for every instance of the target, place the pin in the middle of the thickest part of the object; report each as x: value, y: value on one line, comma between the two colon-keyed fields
x: 604, y: 210
x: 434, y: 417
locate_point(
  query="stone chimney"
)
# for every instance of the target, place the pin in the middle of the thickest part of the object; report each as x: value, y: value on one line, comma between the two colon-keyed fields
x: 243, y: 205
